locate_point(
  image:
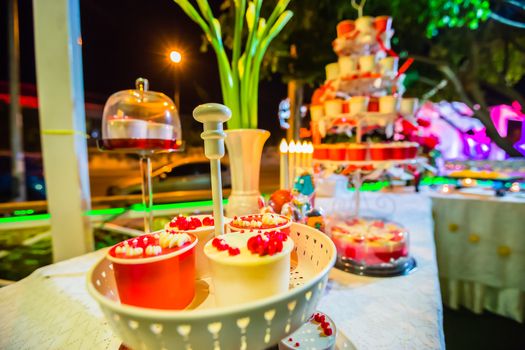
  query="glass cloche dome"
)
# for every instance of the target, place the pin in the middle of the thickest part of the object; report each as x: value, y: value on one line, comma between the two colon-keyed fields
x: 140, y: 120
x: 372, y: 247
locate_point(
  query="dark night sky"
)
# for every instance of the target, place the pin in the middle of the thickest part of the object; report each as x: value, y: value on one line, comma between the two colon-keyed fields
x: 123, y: 40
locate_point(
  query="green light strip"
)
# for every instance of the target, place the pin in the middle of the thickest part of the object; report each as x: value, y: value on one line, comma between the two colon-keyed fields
x: 140, y: 207
x: 25, y: 218
x: 110, y: 211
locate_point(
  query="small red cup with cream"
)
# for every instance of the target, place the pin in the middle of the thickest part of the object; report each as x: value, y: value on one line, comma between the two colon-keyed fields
x: 155, y: 270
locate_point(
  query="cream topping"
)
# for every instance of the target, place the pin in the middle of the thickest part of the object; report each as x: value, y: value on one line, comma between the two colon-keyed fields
x: 128, y: 250
x: 170, y: 240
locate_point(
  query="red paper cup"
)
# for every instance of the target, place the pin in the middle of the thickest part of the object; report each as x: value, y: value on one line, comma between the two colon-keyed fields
x: 399, y: 152
x: 165, y: 281
x: 320, y: 152
x: 412, y: 150
x: 382, y: 23
x: 345, y: 27
x: 356, y: 152
x: 373, y: 105
x: 380, y: 152
x: 337, y: 153
x: 346, y: 106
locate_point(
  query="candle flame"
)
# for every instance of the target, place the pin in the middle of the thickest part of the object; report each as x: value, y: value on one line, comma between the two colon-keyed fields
x: 305, y: 147
x: 310, y: 147
x: 283, y: 147
x: 298, y: 147
x: 291, y: 147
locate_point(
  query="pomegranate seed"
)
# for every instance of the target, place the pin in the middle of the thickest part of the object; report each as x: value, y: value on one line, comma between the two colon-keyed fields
x: 297, y: 344
x: 328, y: 331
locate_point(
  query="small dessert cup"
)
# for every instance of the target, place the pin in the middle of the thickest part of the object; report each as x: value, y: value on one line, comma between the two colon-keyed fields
x: 373, y: 104
x: 367, y: 64
x: 347, y: 66
x: 247, y: 267
x: 155, y: 271
x: 358, y: 104
x: 332, y: 71
x: 333, y: 107
x: 320, y: 152
x: 383, y: 24
x: 365, y: 24
x: 399, y: 150
x: 345, y: 27
x: 412, y: 150
x: 127, y: 128
x: 160, y: 131
x: 356, y: 152
x: 388, y: 66
x: 316, y: 112
x: 260, y: 223
x: 388, y: 104
x: 336, y: 152
x: 408, y: 106
x: 380, y: 151
x: 203, y: 226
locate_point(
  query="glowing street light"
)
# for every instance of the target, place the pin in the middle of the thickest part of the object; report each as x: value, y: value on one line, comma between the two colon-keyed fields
x: 176, y: 57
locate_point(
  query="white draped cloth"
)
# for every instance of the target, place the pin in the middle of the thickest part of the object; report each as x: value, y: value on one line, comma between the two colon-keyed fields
x: 51, y: 308
x: 481, y: 252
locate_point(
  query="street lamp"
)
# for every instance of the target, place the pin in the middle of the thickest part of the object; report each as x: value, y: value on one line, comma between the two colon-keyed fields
x: 176, y: 58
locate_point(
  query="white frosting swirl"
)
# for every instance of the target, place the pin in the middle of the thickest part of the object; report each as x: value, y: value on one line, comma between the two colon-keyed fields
x: 170, y: 240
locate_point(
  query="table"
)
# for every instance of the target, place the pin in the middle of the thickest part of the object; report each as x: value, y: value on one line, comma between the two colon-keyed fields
x: 51, y: 308
x: 480, y: 243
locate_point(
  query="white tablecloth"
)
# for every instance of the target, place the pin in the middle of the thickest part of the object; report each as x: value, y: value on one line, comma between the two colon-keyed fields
x: 51, y: 308
x: 481, y: 252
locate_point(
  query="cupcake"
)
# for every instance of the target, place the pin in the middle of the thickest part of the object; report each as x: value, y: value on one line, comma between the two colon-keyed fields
x: 336, y: 152
x: 356, y: 151
x: 380, y: 151
x: 249, y: 266
x: 260, y: 222
x: 155, y: 270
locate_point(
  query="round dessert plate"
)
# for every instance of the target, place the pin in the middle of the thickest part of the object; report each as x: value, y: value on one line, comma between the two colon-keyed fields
x: 402, y: 266
x: 253, y: 325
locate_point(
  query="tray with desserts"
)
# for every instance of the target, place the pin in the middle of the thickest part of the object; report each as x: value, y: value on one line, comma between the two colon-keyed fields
x: 183, y: 287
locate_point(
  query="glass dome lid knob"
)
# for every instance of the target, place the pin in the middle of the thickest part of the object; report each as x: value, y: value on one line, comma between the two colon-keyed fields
x: 142, y: 84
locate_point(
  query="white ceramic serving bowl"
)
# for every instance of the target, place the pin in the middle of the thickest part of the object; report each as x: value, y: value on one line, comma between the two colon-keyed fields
x: 255, y: 325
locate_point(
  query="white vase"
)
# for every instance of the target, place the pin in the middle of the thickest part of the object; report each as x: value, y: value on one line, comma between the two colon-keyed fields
x: 245, y: 148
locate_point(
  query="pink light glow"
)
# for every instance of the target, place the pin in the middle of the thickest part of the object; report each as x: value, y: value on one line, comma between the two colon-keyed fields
x: 501, y: 114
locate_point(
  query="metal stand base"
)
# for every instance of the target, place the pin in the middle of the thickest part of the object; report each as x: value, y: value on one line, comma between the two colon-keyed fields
x: 401, y: 267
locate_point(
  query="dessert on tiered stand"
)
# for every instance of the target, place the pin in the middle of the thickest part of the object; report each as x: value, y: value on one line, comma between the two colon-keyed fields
x: 262, y: 281
x: 355, y: 116
x: 354, y: 113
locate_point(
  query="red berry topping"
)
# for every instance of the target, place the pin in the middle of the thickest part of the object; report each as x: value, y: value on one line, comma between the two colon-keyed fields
x: 297, y: 344
x: 290, y: 339
x: 317, y: 318
x: 173, y: 224
x: 234, y: 251
x: 207, y: 221
x: 325, y: 325
x: 328, y: 331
